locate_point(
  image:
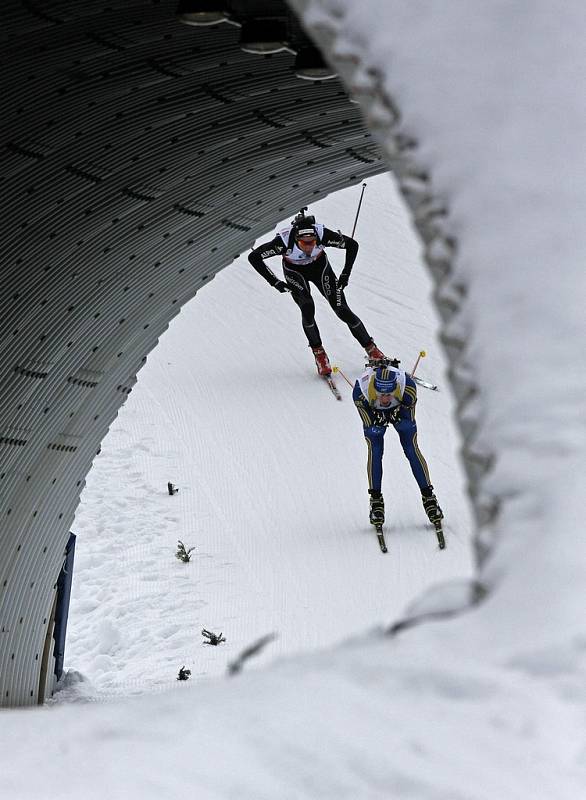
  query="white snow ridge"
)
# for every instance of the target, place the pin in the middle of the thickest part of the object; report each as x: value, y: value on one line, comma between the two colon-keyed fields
x: 474, y: 704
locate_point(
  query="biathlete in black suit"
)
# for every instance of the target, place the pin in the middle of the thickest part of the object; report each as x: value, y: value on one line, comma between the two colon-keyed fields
x: 302, y: 247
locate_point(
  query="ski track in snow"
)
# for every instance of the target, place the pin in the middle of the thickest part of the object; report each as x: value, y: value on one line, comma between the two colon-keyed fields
x: 271, y: 473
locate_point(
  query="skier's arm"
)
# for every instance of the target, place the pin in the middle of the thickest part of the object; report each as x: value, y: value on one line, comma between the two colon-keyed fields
x: 361, y: 403
x: 267, y: 250
x: 370, y: 416
x: 337, y: 239
x: 409, y: 398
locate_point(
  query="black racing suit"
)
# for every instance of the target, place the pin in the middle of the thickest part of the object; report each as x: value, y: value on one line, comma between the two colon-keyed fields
x: 318, y: 272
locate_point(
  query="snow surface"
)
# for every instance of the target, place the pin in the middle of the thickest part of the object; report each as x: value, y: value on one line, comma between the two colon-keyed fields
x: 482, y: 705
x: 490, y: 92
x: 271, y: 473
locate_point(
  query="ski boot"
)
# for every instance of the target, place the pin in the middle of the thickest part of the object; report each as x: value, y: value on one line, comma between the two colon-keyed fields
x: 377, y: 508
x: 434, y: 514
x: 430, y: 504
x: 321, y: 361
x: 372, y: 351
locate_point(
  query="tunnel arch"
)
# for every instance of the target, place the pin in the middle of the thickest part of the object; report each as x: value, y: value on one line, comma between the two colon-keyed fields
x: 140, y: 157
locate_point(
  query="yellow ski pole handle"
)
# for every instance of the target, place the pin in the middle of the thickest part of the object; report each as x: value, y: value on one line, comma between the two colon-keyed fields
x: 421, y: 355
x: 337, y: 369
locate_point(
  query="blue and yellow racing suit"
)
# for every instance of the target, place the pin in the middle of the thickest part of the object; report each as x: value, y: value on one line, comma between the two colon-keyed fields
x: 401, y: 415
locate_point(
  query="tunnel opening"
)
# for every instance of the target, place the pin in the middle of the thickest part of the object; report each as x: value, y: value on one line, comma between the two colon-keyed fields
x: 135, y: 147
x: 269, y: 473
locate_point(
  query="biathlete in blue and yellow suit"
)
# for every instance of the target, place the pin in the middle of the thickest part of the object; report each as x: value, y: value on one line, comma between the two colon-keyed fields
x: 385, y: 396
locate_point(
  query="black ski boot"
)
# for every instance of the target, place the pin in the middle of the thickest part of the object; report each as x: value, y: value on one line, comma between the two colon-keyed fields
x: 430, y: 504
x: 377, y: 508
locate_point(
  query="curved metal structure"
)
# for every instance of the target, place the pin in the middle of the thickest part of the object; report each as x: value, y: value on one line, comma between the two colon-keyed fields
x: 139, y: 157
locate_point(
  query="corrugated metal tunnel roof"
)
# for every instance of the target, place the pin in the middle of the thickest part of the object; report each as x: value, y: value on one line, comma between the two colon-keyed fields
x: 139, y: 157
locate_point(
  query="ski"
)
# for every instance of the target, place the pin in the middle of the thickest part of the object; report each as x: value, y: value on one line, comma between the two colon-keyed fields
x: 333, y: 388
x: 381, y: 537
x: 426, y: 384
x: 439, y: 532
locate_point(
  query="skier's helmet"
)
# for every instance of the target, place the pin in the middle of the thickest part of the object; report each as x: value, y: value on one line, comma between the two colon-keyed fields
x: 304, y: 229
x: 385, y: 380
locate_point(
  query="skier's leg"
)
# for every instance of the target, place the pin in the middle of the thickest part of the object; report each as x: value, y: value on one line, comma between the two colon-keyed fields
x: 375, y: 444
x: 302, y: 296
x: 335, y: 297
x: 407, y: 430
x: 374, y: 435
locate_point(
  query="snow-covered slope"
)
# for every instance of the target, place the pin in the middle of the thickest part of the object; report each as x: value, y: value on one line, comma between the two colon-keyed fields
x: 272, y: 492
x: 489, y: 704
x: 374, y: 719
x: 271, y: 473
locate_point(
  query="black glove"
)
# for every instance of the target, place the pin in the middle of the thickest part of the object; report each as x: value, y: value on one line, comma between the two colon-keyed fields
x: 394, y: 415
x: 281, y: 286
x: 342, y: 281
x: 389, y: 417
x: 379, y: 418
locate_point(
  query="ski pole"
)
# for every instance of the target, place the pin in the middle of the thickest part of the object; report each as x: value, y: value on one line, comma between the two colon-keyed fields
x: 421, y: 355
x: 337, y: 369
x: 358, y: 209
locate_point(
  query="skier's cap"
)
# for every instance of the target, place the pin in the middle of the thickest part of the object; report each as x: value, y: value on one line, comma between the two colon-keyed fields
x: 385, y: 380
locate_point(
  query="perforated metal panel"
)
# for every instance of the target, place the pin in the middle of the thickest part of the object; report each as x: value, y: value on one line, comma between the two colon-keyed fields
x: 138, y: 157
